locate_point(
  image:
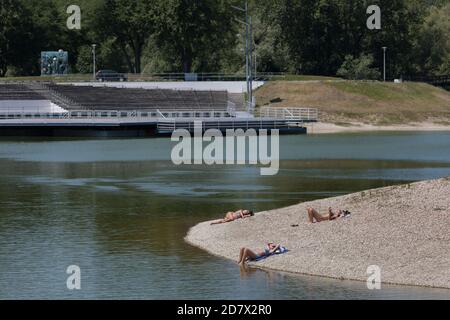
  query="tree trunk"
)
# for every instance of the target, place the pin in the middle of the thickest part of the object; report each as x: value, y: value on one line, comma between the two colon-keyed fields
x: 137, y: 59
x: 3, y: 70
x: 129, y: 62
x: 187, y: 61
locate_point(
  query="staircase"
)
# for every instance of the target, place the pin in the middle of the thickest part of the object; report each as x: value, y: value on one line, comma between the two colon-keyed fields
x: 168, y: 126
x: 239, y: 100
x: 48, y: 93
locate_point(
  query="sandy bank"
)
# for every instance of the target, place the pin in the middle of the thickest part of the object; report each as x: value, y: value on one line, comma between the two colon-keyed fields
x: 323, y: 127
x: 405, y: 230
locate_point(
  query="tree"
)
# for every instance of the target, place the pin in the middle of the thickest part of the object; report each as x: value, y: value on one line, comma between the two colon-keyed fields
x: 311, y: 30
x: 15, y: 34
x: 271, y: 51
x: 319, y: 34
x: 358, y: 68
x: 433, y: 45
x: 299, y: 36
x: 48, y: 33
x: 400, y: 22
x: 196, y: 32
x: 129, y: 24
x: 28, y: 27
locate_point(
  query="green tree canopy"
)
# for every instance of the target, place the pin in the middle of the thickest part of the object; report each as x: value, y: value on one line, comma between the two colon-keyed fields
x: 433, y: 45
x: 358, y: 68
x: 298, y: 36
x: 196, y: 33
x: 129, y: 24
x: 16, y: 28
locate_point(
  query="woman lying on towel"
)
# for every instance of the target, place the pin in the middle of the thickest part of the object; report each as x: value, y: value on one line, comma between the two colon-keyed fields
x: 231, y: 216
x: 271, y: 248
x: 315, y: 216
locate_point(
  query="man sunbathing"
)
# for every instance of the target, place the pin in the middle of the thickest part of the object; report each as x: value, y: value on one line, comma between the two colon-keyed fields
x: 247, y: 254
x: 232, y: 216
x: 315, y: 216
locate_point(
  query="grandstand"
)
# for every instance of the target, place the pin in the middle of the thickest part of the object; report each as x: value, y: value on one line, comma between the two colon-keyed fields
x: 18, y: 97
x: 50, y: 109
x: 18, y: 91
x: 109, y: 98
x: 72, y: 97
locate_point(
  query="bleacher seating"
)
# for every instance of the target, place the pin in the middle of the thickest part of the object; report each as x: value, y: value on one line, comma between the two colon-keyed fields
x: 239, y: 101
x: 108, y: 98
x: 17, y: 91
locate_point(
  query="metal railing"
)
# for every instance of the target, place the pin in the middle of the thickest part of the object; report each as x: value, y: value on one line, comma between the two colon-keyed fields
x: 294, y: 114
x: 289, y: 114
x: 113, y: 114
x: 162, y: 77
x: 221, y: 124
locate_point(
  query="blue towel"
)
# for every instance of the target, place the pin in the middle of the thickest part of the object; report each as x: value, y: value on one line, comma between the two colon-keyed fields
x: 281, y: 250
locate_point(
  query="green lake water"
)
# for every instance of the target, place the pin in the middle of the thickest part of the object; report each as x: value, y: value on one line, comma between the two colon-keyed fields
x: 120, y: 209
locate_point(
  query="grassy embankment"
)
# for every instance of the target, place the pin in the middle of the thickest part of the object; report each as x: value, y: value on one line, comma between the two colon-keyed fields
x: 346, y: 102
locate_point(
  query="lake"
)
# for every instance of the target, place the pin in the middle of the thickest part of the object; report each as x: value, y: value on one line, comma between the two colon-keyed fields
x: 119, y: 209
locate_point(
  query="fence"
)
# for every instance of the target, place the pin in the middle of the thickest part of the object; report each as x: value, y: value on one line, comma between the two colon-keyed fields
x: 294, y: 114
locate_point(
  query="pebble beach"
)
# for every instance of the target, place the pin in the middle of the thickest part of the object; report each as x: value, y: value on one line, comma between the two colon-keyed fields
x: 404, y: 230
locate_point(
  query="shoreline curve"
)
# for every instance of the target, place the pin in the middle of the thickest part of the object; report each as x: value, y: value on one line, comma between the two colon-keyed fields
x: 403, y: 229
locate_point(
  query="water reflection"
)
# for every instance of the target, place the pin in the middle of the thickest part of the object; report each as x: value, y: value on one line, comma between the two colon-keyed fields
x: 123, y: 217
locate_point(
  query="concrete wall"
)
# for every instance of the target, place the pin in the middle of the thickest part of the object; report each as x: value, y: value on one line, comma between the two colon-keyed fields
x: 230, y: 86
x: 37, y: 106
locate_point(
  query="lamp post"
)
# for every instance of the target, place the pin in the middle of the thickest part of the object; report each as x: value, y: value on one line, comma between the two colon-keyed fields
x: 256, y: 65
x: 94, y: 61
x: 248, y: 53
x: 384, y: 63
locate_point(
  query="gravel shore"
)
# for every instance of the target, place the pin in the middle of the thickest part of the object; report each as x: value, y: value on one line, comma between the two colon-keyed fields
x: 324, y: 128
x: 405, y: 230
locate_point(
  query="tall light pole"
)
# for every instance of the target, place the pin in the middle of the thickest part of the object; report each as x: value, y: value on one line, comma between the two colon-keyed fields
x: 384, y: 63
x: 94, y: 61
x: 256, y: 66
x: 248, y: 53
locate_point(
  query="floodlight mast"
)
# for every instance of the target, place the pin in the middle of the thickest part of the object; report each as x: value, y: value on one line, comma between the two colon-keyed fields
x: 94, y: 67
x: 384, y: 63
x: 248, y: 54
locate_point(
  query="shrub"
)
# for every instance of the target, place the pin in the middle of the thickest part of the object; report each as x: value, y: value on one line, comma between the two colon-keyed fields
x: 358, y: 68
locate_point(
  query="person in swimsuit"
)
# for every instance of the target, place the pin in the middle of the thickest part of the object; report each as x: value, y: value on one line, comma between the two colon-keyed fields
x: 232, y: 216
x: 315, y: 216
x: 247, y: 254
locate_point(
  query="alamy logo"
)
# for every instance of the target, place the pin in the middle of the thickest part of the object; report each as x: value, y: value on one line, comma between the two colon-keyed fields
x: 237, y: 147
x: 74, y: 280
x: 374, y: 279
x: 74, y: 20
x: 374, y: 21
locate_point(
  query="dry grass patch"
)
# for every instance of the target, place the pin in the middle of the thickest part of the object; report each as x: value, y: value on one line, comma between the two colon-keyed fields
x: 370, y: 102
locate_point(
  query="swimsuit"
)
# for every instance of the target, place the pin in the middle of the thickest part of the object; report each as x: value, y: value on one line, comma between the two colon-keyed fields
x: 237, y: 215
x: 262, y: 255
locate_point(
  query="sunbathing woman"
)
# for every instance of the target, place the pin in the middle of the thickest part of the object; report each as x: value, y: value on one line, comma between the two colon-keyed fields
x: 315, y: 216
x: 247, y: 254
x: 231, y: 216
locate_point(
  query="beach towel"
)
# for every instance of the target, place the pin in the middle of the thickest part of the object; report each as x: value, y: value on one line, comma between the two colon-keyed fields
x: 280, y: 250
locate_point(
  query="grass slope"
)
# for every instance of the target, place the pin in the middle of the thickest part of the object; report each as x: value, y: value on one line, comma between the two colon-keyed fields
x: 367, y: 102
